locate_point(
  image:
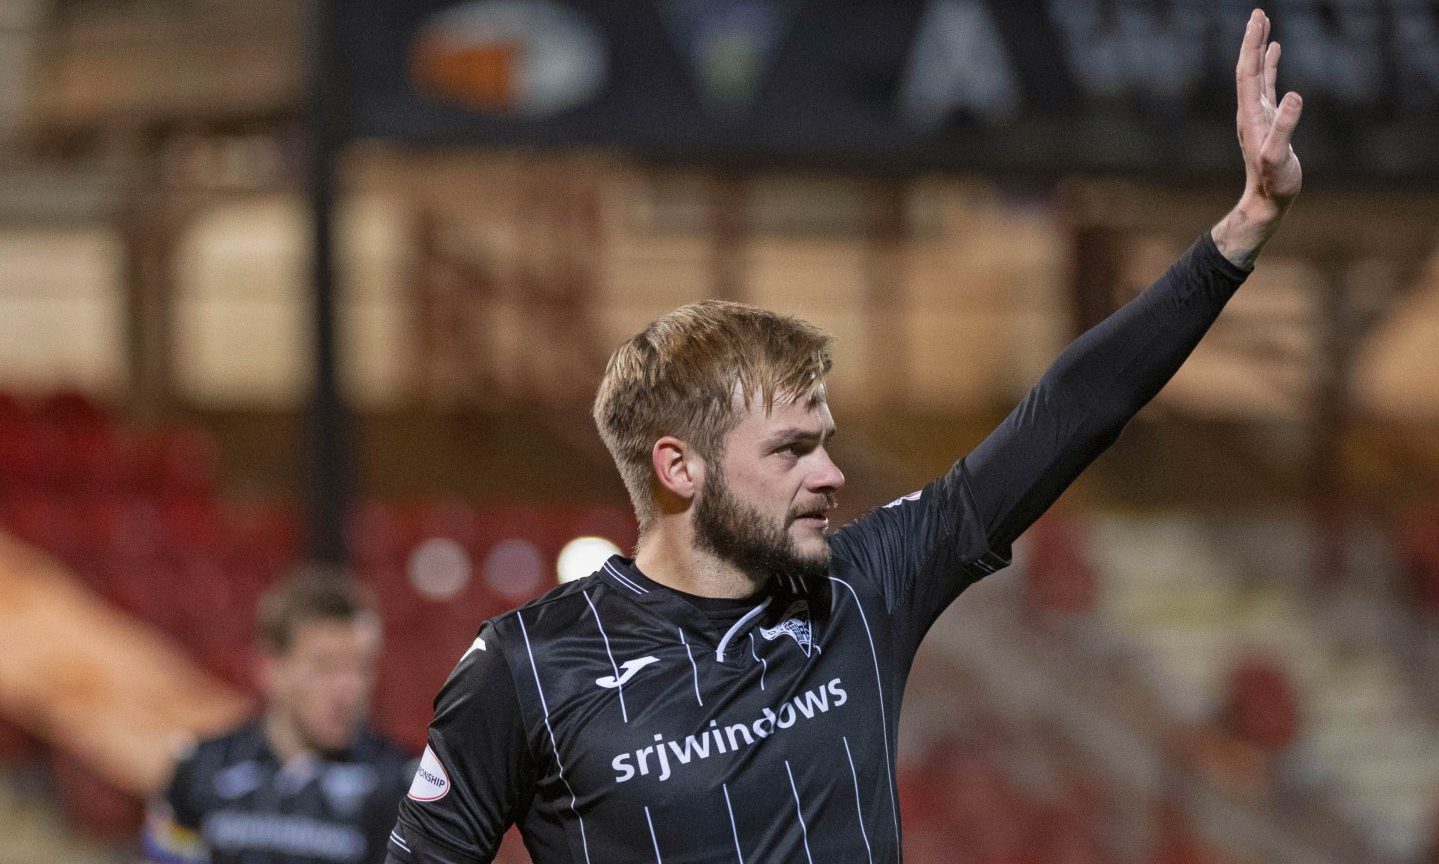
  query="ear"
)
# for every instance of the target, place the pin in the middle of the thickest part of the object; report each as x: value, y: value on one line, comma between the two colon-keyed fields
x: 678, y: 469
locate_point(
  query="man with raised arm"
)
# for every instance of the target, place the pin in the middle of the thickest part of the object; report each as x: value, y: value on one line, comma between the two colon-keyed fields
x: 732, y: 692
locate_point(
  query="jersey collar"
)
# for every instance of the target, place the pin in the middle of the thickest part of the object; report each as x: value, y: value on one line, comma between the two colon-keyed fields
x: 684, y: 610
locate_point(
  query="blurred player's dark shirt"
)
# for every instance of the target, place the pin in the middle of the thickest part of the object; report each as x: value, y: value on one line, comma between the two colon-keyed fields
x: 618, y: 720
x: 231, y: 801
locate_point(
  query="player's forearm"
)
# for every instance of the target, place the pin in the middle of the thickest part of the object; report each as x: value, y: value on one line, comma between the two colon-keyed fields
x: 1095, y: 387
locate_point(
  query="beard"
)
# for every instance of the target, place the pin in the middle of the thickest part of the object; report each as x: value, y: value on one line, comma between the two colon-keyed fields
x: 737, y: 533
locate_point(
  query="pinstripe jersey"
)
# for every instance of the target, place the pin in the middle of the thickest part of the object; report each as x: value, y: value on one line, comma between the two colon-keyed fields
x: 616, y: 720
x: 232, y: 801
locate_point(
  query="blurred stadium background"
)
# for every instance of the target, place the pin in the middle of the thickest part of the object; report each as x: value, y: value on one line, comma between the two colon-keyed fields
x: 245, y: 321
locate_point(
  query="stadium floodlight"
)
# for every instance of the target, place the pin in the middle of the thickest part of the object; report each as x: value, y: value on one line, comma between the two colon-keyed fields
x: 583, y: 556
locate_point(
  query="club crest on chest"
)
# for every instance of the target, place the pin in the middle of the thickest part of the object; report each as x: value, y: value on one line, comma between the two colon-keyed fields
x: 795, y: 623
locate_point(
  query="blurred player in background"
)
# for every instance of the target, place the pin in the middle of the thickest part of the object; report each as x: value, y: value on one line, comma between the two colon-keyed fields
x: 306, y: 781
x: 732, y: 693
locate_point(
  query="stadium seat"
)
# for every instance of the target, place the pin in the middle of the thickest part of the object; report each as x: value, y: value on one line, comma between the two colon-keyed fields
x: 94, y: 806
x: 97, y: 460
x: 1059, y: 577
x: 11, y: 407
x: 72, y: 409
x: 31, y: 454
x: 261, y: 542
x: 125, y: 525
x: 181, y: 462
x: 377, y: 536
x: 192, y: 526
x: 1261, y: 708
x: 451, y: 519
x: 512, y: 849
x: 46, y: 520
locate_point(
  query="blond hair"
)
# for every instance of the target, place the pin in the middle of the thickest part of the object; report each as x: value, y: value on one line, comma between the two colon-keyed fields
x: 681, y: 375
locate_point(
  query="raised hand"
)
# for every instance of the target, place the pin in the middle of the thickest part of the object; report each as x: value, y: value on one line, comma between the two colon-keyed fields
x: 1272, y: 175
x: 1265, y: 124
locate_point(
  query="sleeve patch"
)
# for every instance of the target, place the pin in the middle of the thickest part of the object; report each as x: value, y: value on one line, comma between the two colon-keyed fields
x: 431, y: 781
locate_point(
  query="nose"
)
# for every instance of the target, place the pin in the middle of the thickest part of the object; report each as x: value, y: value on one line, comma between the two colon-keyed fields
x: 828, y: 478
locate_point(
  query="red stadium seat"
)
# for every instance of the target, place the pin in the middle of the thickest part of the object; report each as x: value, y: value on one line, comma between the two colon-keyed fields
x: 31, y: 454
x: 72, y: 409
x: 377, y: 536
x: 94, y: 806
x: 616, y: 524
x: 98, y: 460
x: 182, y: 462
x: 143, y: 587
x: 46, y: 520
x: 192, y: 526
x: 512, y: 849
x: 1262, y: 708
x: 1059, y: 577
x: 11, y: 407
x: 262, y: 541
x: 452, y: 519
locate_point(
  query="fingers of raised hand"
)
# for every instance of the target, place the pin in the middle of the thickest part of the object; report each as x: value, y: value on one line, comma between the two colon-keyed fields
x: 1275, y: 151
x: 1271, y: 72
x: 1248, y: 70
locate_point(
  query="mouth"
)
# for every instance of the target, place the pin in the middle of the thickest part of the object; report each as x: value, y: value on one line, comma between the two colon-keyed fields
x: 816, y: 518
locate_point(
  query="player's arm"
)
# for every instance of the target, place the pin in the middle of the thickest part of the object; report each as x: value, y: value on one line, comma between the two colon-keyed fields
x: 477, y: 775
x: 171, y: 833
x: 1106, y: 376
x: 923, y: 549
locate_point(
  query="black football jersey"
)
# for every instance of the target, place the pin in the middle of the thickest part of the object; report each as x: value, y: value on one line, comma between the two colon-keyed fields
x: 231, y: 801
x: 654, y: 727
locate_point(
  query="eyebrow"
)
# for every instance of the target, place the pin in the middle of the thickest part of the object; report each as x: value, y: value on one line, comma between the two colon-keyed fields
x: 799, y: 433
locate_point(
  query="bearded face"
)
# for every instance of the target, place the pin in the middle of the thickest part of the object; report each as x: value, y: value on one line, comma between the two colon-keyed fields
x: 760, y: 545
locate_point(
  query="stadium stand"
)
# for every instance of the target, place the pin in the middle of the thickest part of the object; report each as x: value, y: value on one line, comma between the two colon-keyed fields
x: 1226, y: 680
x: 1227, y: 633
x: 138, y: 521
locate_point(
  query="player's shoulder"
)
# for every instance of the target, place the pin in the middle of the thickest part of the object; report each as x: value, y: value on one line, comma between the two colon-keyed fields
x: 907, y: 513
x: 376, y: 748
x: 502, y: 641
x: 239, y: 742
x: 546, y: 616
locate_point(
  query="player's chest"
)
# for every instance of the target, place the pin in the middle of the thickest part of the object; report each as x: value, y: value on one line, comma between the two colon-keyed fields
x: 311, y: 814
x: 669, y: 716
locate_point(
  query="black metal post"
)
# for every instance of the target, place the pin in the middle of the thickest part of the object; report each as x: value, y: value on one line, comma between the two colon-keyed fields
x: 328, y: 426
